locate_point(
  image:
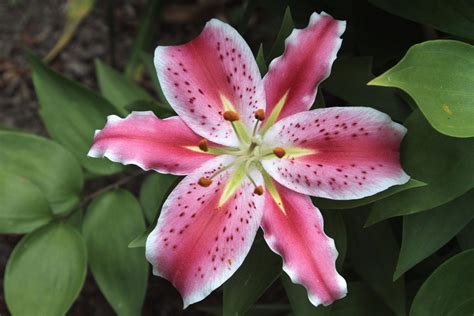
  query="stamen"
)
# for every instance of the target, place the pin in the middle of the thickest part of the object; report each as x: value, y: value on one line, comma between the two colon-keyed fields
x: 204, y: 182
x: 260, y: 114
x: 279, y: 152
x: 203, y: 145
x: 231, y: 116
x: 258, y: 190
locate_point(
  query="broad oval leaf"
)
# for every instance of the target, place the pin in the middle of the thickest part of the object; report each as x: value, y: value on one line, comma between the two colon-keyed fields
x: 71, y: 113
x: 112, y: 220
x: 360, y: 301
x: 449, y: 16
x: 335, y: 228
x: 348, y: 81
x: 450, y: 285
x: 439, y: 76
x: 259, y: 270
x: 23, y: 206
x: 117, y: 88
x: 46, y: 271
x: 346, y: 204
x: 445, y: 164
x: 426, y: 232
x: 466, y: 237
x: 46, y: 164
x: 153, y: 193
x: 464, y: 309
x: 373, y: 252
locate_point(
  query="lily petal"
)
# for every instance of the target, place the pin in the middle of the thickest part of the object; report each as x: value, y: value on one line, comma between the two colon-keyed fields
x: 345, y: 152
x: 294, y: 229
x: 292, y: 79
x: 214, y: 73
x: 197, y: 244
x: 144, y: 140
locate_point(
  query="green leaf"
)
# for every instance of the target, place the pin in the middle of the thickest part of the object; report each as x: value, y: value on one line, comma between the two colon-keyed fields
x: 147, y: 60
x: 71, y: 113
x: 298, y: 297
x: 439, y: 76
x: 450, y: 285
x: 121, y: 273
x: 373, y: 254
x: 117, y: 88
x: 453, y: 17
x: 335, y: 228
x: 464, y: 309
x: 143, y: 39
x: 153, y: 193
x: 445, y: 163
x: 346, y: 204
x: 286, y: 28
x: 46, y: 271
x: 426, y: 232
x: 348, y: 81
x: 259, y: 270
x: 23, y: 206
x: 160, y: 110
x: 360, y: 301
x: 466, y: 236
x: 262, y: 64
x: 46, y: 164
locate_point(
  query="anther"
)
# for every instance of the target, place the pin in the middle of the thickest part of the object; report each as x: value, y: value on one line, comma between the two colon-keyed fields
x: 279, y: 152
x: 260, y: 114
x: 203, y: 145
x: 231, y: 116
x: 204, y: 182
x: 258, y: 190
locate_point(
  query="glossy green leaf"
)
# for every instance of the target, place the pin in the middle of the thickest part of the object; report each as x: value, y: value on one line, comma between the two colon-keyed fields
x: 160, y: 110
x: 360, y: 301
x: 466, y: 236
x: 46, y: 271
x: 153, y: 193
x: 117, y: 88
x: 464, y: 309
x: 147, y: 60
x: 71, y: 113
x: 286, y: 28
x: 445, y: 163
x: 23, y: 206
x: 298, y: 297
x: 46, y: 164
x: 335, y: 228
x: 439, y: 76
x: 348, y: 81
x: 259, y: 270
x: 453, y: 17
x: 121, y: 273
x: 373, y: 252
x: 450, y: 285
x: 426, y: 232
x: 346, y: 204
x: 262, y: 64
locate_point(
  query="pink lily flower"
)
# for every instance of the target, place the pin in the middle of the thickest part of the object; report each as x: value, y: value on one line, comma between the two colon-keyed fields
x: 252, y: 152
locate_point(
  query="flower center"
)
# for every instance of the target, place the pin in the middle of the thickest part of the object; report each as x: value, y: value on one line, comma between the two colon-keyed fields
x: 247, y: 156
